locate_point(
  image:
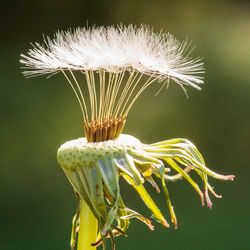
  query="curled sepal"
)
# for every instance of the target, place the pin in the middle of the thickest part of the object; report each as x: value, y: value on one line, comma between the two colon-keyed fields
x: 134, y: 214
x: 169, y: 204
x: 186, y: 176
x: 79, y: 180
x: 110, y: 177
x: 186, y: 151
x: 147, y: 200
x: 181, y: 152
x: 123, y: 222
x: 125, y: 163
x: 75, y: 222
x: 116, y: 231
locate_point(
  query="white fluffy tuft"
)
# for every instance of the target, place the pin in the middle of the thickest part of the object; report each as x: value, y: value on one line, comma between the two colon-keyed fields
x: 115, y: 48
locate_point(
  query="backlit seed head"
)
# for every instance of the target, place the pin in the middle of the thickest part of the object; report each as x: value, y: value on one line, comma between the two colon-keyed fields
x: 119, y: 63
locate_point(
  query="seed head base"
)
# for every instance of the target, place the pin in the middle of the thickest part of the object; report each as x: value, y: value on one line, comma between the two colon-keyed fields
x: 106, y: 129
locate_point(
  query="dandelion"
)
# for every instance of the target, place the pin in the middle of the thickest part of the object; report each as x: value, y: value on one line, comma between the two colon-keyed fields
x: 115, y: 65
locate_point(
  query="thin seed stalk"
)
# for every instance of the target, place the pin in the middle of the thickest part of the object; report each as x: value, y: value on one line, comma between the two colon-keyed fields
x: 88, y: 228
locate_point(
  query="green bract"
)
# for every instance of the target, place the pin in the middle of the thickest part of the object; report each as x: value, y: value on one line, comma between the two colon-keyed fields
x: 94, y: 168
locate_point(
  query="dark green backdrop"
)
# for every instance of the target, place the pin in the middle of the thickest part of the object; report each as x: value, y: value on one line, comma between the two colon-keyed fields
x: 38, y: 115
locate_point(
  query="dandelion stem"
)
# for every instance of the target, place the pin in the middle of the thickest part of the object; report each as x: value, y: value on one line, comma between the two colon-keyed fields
x: 88, y: 228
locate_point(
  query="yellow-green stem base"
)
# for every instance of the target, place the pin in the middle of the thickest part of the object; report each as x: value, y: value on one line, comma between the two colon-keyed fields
x: 88, y: 228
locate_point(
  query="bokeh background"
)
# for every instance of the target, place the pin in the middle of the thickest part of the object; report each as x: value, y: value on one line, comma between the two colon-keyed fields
x: 38, y: 115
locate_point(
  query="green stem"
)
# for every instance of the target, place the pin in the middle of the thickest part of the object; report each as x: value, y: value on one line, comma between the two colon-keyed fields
x: 88, y: 228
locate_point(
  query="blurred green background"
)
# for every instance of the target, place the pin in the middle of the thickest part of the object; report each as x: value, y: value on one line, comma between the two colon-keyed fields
x: 38, y: 115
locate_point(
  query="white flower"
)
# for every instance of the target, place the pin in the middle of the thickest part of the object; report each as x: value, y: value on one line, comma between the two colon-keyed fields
x: 114, y: 49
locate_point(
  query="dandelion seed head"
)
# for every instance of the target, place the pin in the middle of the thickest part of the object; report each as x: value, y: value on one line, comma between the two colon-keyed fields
x: 116, y: 64
x: 114, y: 49
x: 119, y: 58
